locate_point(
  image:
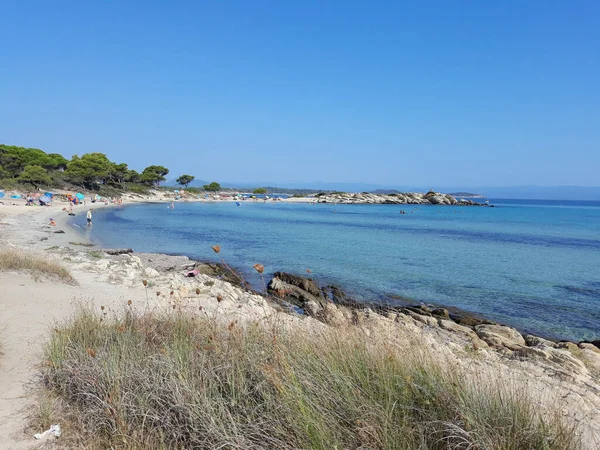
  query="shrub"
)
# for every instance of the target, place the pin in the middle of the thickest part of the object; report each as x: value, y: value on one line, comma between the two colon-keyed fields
x: 177, y: 381
x: 137, y: 188
x: 109, y: 191
x: 13, y: 184
x: 193, y: 190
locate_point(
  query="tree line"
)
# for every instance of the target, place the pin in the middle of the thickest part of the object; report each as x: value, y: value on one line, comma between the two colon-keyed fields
x: 91, y: 171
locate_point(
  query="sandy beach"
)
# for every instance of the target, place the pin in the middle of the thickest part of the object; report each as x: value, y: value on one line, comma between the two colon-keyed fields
x: 30, y: 307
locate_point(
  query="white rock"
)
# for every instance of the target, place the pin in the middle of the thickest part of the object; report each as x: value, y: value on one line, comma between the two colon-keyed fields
x: 333, y: 315
x: 151, y: 273
x: 102, y: 265
x: 499, y: 335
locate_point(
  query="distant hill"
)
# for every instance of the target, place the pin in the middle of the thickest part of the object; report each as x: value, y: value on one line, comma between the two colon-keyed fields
x: 385, y: 191
x: 290, y: 191
x: 466, y: 194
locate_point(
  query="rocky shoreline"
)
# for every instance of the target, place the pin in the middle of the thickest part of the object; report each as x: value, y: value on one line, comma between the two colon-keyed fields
x: 401, y: 198
x: 300, y: 296
x: 332, y: 306
x: 324, y: 303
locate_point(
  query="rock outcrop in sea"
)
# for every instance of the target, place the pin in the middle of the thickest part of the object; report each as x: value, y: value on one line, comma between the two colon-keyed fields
x: 401, y: 198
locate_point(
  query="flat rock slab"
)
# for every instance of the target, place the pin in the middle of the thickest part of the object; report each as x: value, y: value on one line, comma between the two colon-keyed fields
x: 164, y: 263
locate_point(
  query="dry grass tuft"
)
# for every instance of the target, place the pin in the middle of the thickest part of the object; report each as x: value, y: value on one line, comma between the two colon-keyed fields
x: 37, y: 266
x: 177, y: 381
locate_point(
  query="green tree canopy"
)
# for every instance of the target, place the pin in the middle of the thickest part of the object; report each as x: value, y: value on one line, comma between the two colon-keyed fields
x: 35, y: 175
x: 56, y: 162
x: 133, y: 176
x: 89, y: 170
x: 118, y: 173
x: 14, y: 159
x: 212, y: 187
x: 154, y: 175
x: 259, y: 191
x: 184, y: 180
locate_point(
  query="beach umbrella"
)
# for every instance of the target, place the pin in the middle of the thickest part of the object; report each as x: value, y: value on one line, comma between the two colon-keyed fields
x: 49, y: 194
x: 79, y: 196
x: 2, y: 194
x: 45, y: 199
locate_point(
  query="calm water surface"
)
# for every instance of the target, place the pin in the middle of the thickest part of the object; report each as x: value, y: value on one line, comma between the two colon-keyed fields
x: 532, y: 264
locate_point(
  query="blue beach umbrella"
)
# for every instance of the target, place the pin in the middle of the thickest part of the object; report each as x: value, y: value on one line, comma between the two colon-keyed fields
x: 2, y: 194
x: 79, y: 196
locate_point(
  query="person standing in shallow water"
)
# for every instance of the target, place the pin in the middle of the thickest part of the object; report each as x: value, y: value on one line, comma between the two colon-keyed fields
x: 89, y: 218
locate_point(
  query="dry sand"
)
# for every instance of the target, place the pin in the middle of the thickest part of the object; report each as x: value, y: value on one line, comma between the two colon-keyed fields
x: 29, y: 308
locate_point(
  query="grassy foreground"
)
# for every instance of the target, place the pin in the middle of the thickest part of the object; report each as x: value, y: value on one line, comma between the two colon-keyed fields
x: 21, y: 261
x: 174, y: 381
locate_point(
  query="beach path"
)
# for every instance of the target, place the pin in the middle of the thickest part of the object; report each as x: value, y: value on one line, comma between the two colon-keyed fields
x: 29, y: 310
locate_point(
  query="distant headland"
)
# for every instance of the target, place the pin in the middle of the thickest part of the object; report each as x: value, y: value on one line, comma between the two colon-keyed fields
x: 467, y: 195
x: 399, y: 198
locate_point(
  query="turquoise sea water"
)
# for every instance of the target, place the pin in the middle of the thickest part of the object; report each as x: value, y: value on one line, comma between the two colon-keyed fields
x: 532, y: 264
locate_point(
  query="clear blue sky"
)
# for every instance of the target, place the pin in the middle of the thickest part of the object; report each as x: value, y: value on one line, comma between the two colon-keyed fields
x: 463, y: 93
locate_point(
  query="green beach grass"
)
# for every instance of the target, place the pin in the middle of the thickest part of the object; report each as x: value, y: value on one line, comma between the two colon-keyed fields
x: 174, y: 381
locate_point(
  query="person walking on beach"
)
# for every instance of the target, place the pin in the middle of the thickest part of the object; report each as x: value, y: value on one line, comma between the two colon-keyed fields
x: 89, y: 218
